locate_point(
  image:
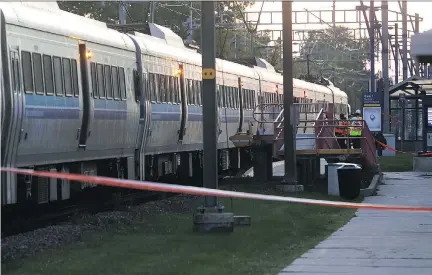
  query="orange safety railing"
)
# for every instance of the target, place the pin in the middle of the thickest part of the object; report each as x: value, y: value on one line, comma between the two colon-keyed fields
x: 324, y: 132
x: 368, y: 145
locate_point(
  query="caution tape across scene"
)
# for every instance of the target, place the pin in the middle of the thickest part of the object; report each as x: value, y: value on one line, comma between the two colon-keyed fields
x: 172, y: 188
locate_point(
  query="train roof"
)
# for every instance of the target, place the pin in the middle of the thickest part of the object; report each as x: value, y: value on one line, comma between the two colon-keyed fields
x: 48, y: 17
x: 158, y: 47
x: 165, y: 44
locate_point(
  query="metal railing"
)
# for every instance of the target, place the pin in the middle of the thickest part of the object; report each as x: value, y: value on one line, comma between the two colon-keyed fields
x: 324, y: 130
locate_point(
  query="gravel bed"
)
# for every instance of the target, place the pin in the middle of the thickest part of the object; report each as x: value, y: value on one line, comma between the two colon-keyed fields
x: 30, y: 243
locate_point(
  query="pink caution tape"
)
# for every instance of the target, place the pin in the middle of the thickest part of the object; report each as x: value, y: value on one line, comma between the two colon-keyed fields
x: 173, y: 188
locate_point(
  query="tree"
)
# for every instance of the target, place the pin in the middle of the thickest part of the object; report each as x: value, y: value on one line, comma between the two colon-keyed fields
x: 336, y: 55
x: 174, y: 15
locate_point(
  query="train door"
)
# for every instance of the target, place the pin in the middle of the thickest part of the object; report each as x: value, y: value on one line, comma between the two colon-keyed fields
x: 183, y: 102
x: 84, y: 131
x: 14, y: 131
x: 143, y: 98
x: 240, y: 94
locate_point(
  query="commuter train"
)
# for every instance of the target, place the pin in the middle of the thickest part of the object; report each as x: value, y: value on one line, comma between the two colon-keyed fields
x: 79, y: 97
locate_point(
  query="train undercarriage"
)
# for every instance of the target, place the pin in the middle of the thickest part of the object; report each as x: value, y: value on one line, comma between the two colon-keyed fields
x: 181, y: 168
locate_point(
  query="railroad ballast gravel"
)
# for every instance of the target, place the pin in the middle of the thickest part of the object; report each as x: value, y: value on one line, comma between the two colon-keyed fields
x: 30, y: 243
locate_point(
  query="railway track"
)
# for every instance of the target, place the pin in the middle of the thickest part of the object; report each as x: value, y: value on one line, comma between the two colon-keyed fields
x: 32, y: 216
x: 15, y: 223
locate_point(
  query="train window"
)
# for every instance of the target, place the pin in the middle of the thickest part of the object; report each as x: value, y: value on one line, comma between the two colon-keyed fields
x: 38, y: 75
x: 27, y: 71
x: 231, y: 96
x: 58, y: 78
x: 152, y: 86
x: 132, y: 78
x: 75, y: 78
x: 16, y: 78
x: 198, y: 92
x: 48, y: 75
x: 115, y: 82
x: 107, y: 81
x: 168, y: 89
x: 122, y: 85
x: 234, y: 97
x: 67, y: 77
x: 100, y: 81
x: 225, y: 93
x: 94, y: 79
x: 200, y: 85
x: 190, y: 92
x: 218, y: 96
x: 195, y: 92
x: 237, y: 97
x: 161, y: 90
x: 176, y: 89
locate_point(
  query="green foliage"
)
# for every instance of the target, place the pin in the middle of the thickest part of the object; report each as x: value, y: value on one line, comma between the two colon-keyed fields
x: 174, y: 15
x: 337, y: 55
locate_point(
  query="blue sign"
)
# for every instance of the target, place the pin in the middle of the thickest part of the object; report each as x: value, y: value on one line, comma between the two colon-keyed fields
x: 372, y: 99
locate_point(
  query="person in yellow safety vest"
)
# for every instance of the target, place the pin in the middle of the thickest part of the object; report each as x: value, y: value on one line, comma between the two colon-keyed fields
x: 356, y: 128
x: 342, y: 131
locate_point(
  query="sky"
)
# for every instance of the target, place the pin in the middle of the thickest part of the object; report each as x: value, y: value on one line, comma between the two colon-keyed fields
x: 422, y: 8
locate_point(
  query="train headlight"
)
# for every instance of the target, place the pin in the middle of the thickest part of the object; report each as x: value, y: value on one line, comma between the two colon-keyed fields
x: 89, y: 54
x: 178, y: 72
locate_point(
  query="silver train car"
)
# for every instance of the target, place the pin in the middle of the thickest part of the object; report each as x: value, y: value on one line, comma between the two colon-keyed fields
x: 80, y: 97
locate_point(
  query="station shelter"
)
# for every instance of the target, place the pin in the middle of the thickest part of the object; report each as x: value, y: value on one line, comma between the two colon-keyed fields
x: 406, y: 112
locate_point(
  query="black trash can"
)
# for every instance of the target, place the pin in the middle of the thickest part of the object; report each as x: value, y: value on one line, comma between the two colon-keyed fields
x: 349, y: 177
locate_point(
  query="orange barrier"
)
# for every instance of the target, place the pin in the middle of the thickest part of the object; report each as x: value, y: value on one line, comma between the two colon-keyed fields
x: 395, y: 150
x: 172, y: 188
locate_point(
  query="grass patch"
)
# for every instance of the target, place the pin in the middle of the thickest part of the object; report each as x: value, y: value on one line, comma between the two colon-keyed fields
x: 165, y: 244
x: 398, y: 163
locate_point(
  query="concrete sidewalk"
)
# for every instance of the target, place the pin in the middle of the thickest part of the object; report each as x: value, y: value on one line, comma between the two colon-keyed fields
x: 379, y: 242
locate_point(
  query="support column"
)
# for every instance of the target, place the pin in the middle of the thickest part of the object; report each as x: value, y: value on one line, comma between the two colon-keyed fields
x: 289, y: 182
x: 385, y: 67
x: 210, y: 217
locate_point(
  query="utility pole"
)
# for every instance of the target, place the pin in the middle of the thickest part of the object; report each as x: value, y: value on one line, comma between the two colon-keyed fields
x: 209, y: 101
x: 152, y: 11
x: 416, y: 30
x: 404, y: 41
x: 396, y: 58
x: 122, y: 14
x: 210, y: 217
x: 385, y: 66
x: 289, y: 182
x: 372, y: 45
x: 190, y: 31
x: 334, y: 19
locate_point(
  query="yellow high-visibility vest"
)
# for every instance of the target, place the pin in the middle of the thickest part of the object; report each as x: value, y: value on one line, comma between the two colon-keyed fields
x: 356, y: 129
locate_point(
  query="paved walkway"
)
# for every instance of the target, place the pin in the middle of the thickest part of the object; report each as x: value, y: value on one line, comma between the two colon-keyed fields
x: 379, y: 242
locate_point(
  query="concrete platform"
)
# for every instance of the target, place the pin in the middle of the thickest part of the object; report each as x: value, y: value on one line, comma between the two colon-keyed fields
x: 422, y: 164
x: 379, y: 242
